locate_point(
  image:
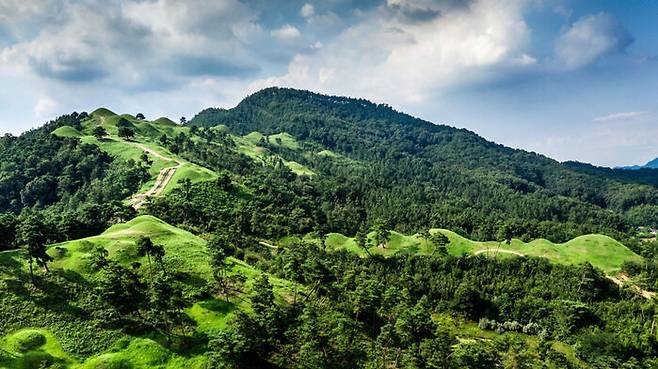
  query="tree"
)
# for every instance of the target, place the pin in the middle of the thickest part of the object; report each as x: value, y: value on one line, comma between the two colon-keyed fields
x: 183, y: 120
x: 382, y: 235
x: 440, y: 242
x: 164, y: 140
x: 227, y: 349
x: 126, y: 133
x: 263, y: 297
x: 504, y: 235
x: 361, y: 240
x: 146, y: 159
x: 140, y: 116
x: 166, y: 305
x: 146, y: 247
x: 100, y: 132
x: 122, y: 289
x: 31, y: 235
x: 219, y: 247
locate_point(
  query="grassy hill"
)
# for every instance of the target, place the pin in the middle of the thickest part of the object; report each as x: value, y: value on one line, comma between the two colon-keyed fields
x: 35, y: 333
x: 147, y: 135
x: 601, y: 251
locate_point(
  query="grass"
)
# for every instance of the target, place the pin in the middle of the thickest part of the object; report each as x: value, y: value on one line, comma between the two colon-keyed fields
x: 32, y: 348
x: 147, y: 135
x: 186, y: 256
x: 601, y: 251
x: 249, y: 145
x: 67, y: 131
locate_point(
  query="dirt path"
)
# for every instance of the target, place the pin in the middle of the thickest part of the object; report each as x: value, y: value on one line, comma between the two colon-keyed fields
x: 498, y: 250
x: 268, y: 245
x: 161, y: 182
x: 622, y: 279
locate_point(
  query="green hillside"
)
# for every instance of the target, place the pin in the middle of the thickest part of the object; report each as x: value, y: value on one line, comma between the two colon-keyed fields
x: 420, y: 172
x: 36, y: 335
x: 147, y: 135
x: 67, y: 131
x: 33, y: 334
x: 228, y: 266
x: 601, y: 251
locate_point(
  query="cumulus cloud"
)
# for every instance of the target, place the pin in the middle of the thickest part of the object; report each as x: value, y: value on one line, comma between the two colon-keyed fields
x: 589, y: 38
x: 396, y: 55
x: 286, y: 33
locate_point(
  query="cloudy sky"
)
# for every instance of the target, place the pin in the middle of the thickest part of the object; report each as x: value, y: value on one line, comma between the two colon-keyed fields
x: 575, y: 80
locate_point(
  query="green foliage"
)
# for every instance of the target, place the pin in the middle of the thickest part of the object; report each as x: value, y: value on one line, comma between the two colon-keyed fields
x: 416, y: 174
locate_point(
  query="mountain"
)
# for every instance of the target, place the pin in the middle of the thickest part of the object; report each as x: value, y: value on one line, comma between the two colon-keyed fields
x: 653, y: 164
x: 413, y: 172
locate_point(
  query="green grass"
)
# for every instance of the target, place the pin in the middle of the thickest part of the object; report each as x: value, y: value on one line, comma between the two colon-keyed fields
x: 67, y: 131
x: 30, y: 349
x: 601, y: 251
x: 186, y: 256
x: 147, y: 135
x: 249, y: 145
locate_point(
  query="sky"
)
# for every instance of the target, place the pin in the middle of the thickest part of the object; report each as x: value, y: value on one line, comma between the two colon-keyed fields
x: 573, y: 80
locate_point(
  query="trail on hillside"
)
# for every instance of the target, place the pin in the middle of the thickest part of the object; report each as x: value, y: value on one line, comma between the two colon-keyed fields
x: 497, y: 251
x: 161, y: 182
x: 622, y: 279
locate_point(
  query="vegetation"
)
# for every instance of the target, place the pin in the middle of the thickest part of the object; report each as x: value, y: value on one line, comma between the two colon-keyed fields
x: 309, y: 231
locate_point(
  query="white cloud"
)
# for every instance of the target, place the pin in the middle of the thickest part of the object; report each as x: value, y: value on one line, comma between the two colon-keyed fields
x: 589, y: 38
x: 391, y: 58
x: 307, y: 10
x: 286, y: 33
x: 134, y: 44
x: 618, y: 117
x: 44, y: 108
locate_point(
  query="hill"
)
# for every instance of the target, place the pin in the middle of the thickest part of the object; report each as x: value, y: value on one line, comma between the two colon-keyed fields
x: 66, y: 331
x: 61, y: 323
x: 601, y: 251
x: 652, y: 164
x: 157, y: 248
x: 423, y: 173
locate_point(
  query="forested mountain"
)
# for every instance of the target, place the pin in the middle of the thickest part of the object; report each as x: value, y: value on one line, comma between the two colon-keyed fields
x: 414, y: 173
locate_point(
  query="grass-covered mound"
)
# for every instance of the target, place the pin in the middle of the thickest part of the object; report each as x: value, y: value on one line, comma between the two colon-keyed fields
x: 185, y: 251
x: 67, y: 131
x: 599, y: 250
x: 72, y: 332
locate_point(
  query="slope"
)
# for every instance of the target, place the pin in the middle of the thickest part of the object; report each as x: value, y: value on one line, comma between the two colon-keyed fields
x: 62, y: 323
x: 451, y: 170
x: 601, y: 251
x: 167, y: 169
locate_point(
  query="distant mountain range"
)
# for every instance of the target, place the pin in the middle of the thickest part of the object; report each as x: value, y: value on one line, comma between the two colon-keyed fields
x: 653, y: 164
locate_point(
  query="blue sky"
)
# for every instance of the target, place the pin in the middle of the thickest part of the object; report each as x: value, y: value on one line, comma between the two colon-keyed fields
x: 574, y: 80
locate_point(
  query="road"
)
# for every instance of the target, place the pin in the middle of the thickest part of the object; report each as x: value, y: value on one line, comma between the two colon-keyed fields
x: 161, y: 182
